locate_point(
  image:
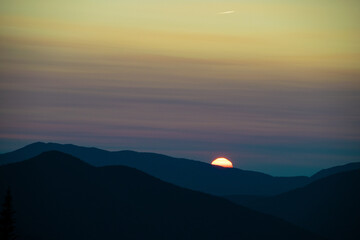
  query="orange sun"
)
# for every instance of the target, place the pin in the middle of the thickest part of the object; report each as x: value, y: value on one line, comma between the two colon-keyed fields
x: 222, y: 162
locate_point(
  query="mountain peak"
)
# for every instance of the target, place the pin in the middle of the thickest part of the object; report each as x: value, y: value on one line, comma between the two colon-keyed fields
x: 55, y: 154
x: 56, y: 159
x: 334, y: 170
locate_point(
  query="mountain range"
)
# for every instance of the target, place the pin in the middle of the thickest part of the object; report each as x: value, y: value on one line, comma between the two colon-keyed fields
x: 57, y: 196
x: 97, y: 184
x: 328, y: 206
x: 186, y: 173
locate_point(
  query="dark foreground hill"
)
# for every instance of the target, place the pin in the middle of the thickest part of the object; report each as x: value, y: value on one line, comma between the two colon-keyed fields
x: 57, y: 196
x: 182, y: 172
x: 329, y: 206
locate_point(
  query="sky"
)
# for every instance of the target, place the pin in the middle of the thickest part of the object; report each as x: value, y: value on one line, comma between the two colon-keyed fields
x: 273, y: 85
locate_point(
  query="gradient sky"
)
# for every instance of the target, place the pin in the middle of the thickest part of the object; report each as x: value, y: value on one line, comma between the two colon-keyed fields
x: 274, y: 86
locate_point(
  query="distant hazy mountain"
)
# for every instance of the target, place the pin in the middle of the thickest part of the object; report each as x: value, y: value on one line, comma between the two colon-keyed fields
x: 333, y: 170
x: 57, y: 196
x: 329, y: 206
x: 183, y: 172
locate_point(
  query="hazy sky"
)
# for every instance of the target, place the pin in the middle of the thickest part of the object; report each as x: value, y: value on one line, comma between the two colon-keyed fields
x: 273, y: 85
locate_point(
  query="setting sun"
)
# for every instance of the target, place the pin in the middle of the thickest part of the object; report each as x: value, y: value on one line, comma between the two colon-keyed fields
x: 222, y: 162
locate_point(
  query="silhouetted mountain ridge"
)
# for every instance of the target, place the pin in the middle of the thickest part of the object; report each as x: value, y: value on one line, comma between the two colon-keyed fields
x: 57, y: 196
x: 328, y: 206
x: 337, y: 169
x: 183, y: 172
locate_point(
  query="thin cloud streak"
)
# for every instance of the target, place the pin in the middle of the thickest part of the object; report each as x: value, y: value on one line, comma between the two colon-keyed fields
x: 226, y: 12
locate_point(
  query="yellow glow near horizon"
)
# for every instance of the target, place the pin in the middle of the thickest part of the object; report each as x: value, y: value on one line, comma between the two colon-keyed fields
x: 222, y: 162
x: 278, y: 31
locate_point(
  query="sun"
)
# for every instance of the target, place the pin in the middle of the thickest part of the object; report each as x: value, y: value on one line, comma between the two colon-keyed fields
x: 222, y: 162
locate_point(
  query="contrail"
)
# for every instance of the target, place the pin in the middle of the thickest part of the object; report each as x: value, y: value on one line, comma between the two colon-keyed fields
x: 226, y: 12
